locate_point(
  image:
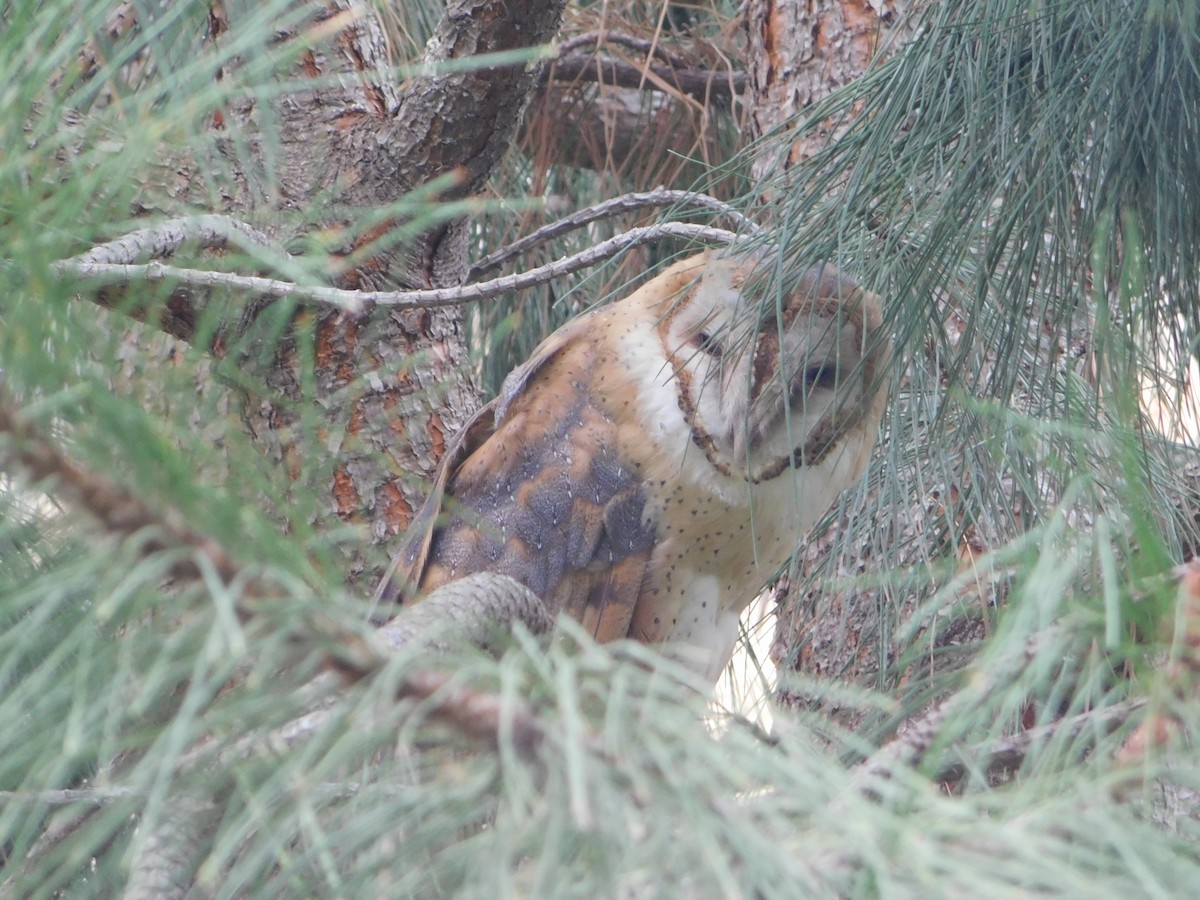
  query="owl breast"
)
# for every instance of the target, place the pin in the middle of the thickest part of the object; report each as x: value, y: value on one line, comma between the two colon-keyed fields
x: 719, y: 537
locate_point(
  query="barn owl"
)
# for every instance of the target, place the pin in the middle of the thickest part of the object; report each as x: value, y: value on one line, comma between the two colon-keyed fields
x: 657, y: 460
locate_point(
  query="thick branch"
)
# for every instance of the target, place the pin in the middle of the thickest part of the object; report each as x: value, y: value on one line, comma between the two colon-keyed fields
x: 702, y: 84
x: 598, y: 39
x: 164, y: 239
x: 166, y: 858
x: 458, y: 123
x: 918, y: 735
x: 472, y: 610
x: 1006, y: 754
x: 481, y: 616
x: 346, y: 137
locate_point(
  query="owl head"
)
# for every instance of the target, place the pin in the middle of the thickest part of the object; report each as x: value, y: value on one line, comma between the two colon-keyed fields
x: 775, y: 373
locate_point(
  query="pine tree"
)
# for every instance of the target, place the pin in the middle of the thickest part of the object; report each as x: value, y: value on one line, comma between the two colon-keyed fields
x: 211, y: 440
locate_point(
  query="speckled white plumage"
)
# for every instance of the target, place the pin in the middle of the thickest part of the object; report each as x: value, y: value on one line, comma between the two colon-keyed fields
x: 655, y: 462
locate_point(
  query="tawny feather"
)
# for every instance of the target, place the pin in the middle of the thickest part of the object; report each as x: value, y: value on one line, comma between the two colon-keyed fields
x: 657, y: 460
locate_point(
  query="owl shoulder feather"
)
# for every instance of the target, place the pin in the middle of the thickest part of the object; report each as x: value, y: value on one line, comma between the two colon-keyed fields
x: 403, y: 574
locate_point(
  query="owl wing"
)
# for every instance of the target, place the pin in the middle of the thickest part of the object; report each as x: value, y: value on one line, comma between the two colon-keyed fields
x: 534, y: 487
x: 400, y: 580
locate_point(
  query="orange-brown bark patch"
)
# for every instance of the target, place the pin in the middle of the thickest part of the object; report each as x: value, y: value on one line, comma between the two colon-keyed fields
x: 357, y: 417
x: 397, y: 514
x: 348, y: 120
x: 337, y: 338
x: 396, y: 424
x: 308, y: 64
x: 862, y: 22
x: 345, y: 494
x: 774, y: 25
x: 371, y: 235
x: 292, y: 462
x: 362, y: 248
x: 437, y: 435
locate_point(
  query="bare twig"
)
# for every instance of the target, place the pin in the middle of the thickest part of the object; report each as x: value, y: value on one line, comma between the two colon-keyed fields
x: 355, y: 301
x: 626, y: 203
x: 119, y: 510
x: 68, y: 797
x: 179, y: 314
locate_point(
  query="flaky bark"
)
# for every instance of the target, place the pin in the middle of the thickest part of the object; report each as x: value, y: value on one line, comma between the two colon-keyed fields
x: 803, y: 50
x: 392, y: 385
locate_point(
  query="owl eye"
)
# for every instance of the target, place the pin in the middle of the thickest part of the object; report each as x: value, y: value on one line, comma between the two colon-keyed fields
x: 707, y: 343
x: 822, y: 376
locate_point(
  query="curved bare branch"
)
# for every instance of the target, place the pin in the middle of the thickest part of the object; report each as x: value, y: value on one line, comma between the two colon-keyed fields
x: 625, y: 203
x: 355, y: 302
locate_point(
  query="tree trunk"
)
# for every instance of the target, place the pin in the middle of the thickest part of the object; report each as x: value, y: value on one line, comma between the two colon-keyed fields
x: 800, y: 52
x: 803, y: 50
x: 392, y: 386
